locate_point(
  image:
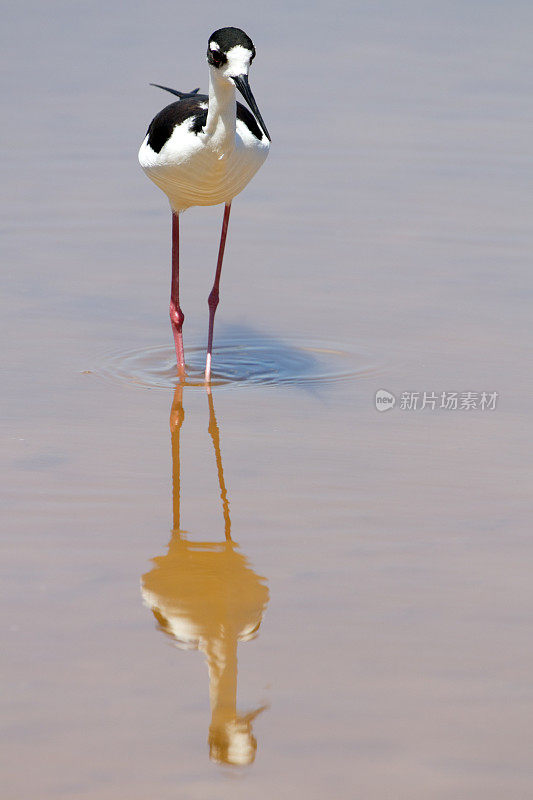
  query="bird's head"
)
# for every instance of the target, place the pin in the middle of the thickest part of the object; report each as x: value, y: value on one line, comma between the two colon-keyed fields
x: 230, y: 52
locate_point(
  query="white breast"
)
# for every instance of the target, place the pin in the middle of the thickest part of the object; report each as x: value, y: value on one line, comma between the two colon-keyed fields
x: 192, y: 172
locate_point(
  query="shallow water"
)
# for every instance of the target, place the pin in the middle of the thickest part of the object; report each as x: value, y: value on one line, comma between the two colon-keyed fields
x: 285, y: 592
x: 243, y: 358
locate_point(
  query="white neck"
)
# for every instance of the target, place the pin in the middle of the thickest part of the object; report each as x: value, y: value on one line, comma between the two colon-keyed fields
x: 222, y: 111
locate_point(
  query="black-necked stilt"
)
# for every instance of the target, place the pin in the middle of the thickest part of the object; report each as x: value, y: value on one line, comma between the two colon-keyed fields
x: 203, y: 150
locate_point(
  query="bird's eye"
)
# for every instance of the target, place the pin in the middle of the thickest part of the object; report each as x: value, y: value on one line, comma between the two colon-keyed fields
x: 217, y: 58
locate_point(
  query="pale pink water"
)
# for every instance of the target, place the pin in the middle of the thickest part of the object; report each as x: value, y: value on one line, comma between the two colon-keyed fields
x: 390, y: 229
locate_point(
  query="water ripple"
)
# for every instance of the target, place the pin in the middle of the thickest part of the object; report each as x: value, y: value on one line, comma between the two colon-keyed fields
x: 257, y: 361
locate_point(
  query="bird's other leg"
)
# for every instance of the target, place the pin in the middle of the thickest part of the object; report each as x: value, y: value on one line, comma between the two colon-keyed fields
x: 176, y: 314
x: 214, y: 295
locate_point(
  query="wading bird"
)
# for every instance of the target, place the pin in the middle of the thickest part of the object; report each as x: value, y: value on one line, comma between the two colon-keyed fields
x: 203, y: 150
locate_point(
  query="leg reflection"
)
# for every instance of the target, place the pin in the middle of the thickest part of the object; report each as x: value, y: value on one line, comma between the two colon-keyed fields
x: 205, y: 595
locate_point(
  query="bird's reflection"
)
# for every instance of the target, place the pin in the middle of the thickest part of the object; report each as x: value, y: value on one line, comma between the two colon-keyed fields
x: 205, y: 595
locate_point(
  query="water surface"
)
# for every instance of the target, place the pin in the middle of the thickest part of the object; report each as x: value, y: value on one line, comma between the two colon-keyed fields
x: 352, y: 587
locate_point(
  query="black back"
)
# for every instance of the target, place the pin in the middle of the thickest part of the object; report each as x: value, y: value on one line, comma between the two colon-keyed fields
x: 163, y: 124
x: 190, y: 108
x: 246, y: 116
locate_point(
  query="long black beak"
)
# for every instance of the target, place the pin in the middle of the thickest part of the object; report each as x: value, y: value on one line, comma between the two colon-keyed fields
x: 241, y: 82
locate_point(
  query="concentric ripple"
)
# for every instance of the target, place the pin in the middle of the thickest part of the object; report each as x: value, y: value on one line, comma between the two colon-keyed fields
x: 261, y: 360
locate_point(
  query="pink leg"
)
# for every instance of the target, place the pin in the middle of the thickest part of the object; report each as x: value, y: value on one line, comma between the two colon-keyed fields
x: 213, y: 297
x: 176, y: 314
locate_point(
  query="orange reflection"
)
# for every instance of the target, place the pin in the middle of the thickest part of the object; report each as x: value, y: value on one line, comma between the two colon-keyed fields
x: 206, y: 596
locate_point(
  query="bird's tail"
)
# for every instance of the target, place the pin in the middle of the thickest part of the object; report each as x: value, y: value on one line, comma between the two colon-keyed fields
x: 181, y: 95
